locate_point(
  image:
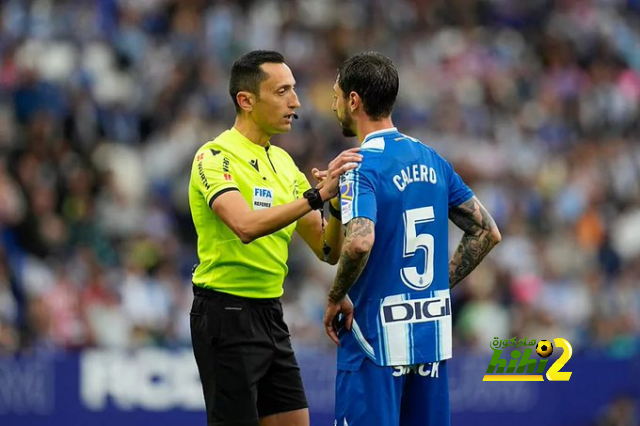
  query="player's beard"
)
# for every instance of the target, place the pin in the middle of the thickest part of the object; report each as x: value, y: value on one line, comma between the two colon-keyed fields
x: 347, y: 125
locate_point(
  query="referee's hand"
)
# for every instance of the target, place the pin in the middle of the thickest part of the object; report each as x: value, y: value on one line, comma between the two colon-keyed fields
x: 329, y: 180
x: 344, y: 307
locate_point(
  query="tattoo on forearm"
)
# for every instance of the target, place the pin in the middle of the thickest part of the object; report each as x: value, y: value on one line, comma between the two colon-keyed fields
x: 476, y: 242
x: 352, y: 261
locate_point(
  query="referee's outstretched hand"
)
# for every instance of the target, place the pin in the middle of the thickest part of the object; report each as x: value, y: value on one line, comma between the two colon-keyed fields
x: 329, y: 180
x: 331, y: 325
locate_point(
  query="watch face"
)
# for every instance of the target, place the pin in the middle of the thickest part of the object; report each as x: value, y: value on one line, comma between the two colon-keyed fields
x: 313, y: 196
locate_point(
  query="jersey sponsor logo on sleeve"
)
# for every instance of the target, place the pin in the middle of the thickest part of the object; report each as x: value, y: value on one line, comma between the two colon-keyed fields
x: 262, y: 198
x: 296, y: 190
x: 203, y: 177
x: 227, y: 176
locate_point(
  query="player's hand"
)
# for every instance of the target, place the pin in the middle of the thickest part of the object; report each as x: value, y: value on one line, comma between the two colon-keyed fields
x: 345, y: 307
x: 347, y: 160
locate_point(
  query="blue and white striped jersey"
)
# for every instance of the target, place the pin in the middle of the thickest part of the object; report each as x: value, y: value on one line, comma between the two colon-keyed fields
x: 402, y: 303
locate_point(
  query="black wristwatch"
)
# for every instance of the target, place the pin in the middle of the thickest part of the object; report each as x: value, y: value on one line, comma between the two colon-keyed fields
x: 313, y: 197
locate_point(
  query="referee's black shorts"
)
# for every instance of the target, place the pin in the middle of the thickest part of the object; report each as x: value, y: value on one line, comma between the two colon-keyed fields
x: 247, y: 366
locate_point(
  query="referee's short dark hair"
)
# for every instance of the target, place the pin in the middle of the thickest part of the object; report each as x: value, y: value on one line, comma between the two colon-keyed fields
x: 374, y: 77
x: 246, y: 74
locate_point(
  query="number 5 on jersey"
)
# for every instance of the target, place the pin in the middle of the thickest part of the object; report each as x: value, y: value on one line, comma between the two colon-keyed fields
x: 414, y: 242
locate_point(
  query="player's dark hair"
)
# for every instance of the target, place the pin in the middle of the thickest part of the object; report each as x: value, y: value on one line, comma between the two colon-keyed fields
x: 246, y: 74
x: 374, y: 77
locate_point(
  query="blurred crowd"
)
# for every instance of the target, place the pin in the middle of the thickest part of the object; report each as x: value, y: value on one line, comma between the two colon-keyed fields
x: 103, y: 104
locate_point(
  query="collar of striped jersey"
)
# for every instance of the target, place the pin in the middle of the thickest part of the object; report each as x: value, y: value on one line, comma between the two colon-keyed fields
x: 379, y: 133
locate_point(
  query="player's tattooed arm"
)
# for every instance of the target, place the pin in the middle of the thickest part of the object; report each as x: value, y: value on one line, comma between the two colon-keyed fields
x: 355, y: 253
x: 480, y: 235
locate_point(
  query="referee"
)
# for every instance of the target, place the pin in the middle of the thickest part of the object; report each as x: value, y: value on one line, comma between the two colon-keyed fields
x: 246, y: 198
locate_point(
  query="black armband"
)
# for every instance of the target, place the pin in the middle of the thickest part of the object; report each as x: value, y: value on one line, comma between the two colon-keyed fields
x: 335, y: 212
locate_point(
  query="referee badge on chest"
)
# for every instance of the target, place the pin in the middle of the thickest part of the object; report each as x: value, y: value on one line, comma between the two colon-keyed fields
x: 262, y: 198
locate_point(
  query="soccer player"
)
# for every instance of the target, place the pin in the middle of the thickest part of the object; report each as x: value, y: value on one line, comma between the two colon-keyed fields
x: 246, y: 198
x: 393, y: 348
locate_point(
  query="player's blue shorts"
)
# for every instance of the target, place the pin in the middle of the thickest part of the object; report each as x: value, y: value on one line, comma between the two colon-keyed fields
x: 393, y: 396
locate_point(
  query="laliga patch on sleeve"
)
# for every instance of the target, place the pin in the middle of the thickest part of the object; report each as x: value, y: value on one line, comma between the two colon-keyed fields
x: 262, y: 198
x: 346, y: 201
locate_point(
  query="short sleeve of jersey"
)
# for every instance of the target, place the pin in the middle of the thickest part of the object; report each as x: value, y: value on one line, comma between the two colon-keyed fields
x: 459, y: 192
x: 357, y: 195
x: 302, y: 183
x: 214, y: 174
